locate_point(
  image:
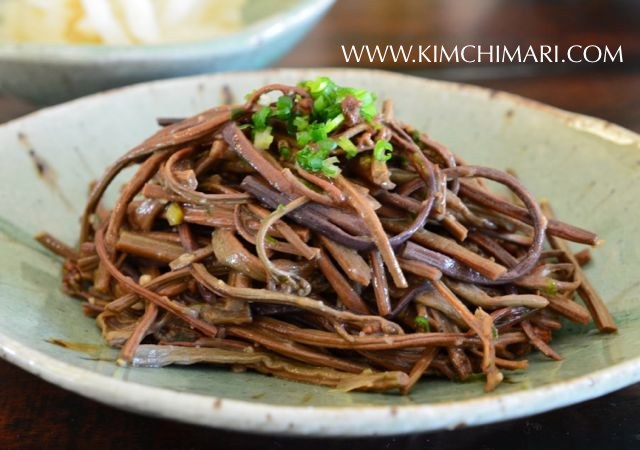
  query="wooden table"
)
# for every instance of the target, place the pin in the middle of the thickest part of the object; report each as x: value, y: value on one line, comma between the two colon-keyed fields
x: 35, y: 414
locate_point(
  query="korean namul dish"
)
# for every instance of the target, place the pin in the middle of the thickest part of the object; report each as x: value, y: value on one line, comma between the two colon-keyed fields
x: 310, y: 235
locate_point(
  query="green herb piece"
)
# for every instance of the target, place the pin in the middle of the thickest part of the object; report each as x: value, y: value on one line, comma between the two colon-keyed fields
x: 317, y: 132
x: 494, y: 332
x: 313, y: 133
x: 310, y: 159
x: 368, y: 112
x: 270, y: 239
x: 423, y: 323
x: 362, y: 95
x: 317, y: 86
x: 349, y: 147
x: 334, y: 123
x: 262, y: 139
x: 320, y: 104
x: 317, y: 160
x: 329, y: 167
x: 552, y: 288
x: 328, y: 96
x: 301, y: 123
x: 284, y: 104
x: 366, y: 98
x: 303, y: 137
x: 260, y: 118
x: 382, y: 151
x: 327, y: 145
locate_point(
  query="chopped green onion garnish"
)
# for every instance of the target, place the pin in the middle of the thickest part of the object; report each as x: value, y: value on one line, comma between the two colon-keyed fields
x: 320, y: 104
x: 317, y: 132
x: 260, y: 118
x: 310, y: 159
x: 283, y: 107
x: 262, y: 139
x: 303, y: 137
x: 313, y: 129
x: 494, y: 332
x: 313, y: 133
x: 301, y: 123
x: 329, y: 167
x: 328, y: 96
x: 333, y: 123
x: 380, y: 150
x: 349, y: 147
x: 368, y: 111
x: 423, y: 322
x: 318, y: 85
x: 317, y: 160
x: 327, y: 145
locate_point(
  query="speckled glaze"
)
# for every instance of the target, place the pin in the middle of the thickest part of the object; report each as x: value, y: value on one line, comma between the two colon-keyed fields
x: 588, y: 168
x: 48, y: 74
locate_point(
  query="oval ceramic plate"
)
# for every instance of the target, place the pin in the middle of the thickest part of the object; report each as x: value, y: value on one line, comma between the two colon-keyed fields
x: 589, y: 169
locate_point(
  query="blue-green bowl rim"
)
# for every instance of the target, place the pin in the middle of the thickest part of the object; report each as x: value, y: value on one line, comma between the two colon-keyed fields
x: 252, y: 35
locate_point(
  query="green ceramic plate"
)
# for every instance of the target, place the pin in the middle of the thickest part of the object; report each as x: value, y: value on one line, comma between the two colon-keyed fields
x: 588, y: 168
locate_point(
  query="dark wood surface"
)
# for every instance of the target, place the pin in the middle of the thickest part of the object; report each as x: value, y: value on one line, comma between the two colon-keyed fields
x: 36, y: 414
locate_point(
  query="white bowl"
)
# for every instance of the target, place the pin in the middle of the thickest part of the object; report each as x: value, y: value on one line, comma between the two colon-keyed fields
x: 52, y: 73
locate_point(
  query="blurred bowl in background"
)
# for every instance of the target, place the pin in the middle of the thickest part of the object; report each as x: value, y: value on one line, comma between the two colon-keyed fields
x: 52, y: 73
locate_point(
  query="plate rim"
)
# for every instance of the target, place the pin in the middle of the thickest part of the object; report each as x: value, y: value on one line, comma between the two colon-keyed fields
x: 356, y: 420
x: 320, y: 421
